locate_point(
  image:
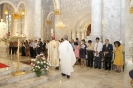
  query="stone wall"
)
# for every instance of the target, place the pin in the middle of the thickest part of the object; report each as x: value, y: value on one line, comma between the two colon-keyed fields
x: 74, y: 14
x: 47, y: 7
x: 114, y: 20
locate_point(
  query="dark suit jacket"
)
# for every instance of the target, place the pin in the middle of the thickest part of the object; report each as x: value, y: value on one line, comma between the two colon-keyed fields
x: 108, y: 49
x: 39, y: 48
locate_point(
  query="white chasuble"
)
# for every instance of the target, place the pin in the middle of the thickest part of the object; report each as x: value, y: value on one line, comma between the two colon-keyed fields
x: 53, y: 53
x: 67, y: 57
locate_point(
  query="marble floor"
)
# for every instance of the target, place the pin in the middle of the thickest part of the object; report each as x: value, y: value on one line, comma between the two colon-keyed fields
x: 85, y: 77
x: 92, y: 78
x: 12, y: 63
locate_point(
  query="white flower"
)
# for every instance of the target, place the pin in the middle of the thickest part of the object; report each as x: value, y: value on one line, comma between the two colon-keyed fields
x: 32, y: 59
x: 38, y: 62
x: 41, y: 54
x: 38, y: 67
x: 44, y: 61
x: 33, y: 69
x: 46, y: 68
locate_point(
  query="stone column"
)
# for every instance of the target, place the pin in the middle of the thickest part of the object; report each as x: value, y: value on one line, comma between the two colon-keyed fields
x: 83, y: 34
x: 96, y: 20
x: 96, y: 17
x: 29, y: 19
x: 128, y: 32
x: 79, y: 35
x: 73, y: 35
x: 16, y: 26
x: 37, y: 19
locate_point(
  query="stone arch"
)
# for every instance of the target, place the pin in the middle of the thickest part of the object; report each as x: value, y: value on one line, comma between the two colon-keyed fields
x: 20, y: 3
x: 50, y: 15
x: 82, y: 20
x: 80, y: 16
x: 15, y: 9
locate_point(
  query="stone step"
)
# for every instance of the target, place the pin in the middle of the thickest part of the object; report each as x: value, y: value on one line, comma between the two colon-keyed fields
x: 32, y: 82
x: 9, y: 71
x: 8, y: 79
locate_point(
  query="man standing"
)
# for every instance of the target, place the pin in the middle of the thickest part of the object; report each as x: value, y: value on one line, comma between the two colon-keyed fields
x: 107, y: 50
x: 98, y: 53
x: 31, y: 48
x: 67, y: 57
x: 53, y: 53
x: 72, y: 43
x: 77, y: 40
x: 35, y: 49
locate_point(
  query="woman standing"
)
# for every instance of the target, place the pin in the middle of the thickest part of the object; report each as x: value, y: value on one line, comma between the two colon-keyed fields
x: 76, y: 51
x: 83, y: 52
x: 23, y: 48
x: 118, y: 61
x: 27, y: 48
x: 90, y: 54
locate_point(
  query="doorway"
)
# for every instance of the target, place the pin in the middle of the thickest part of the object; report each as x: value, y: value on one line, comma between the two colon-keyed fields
x: 88, y: 30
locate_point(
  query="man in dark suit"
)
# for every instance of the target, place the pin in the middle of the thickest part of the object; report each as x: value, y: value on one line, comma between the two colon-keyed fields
x: 107, y: 51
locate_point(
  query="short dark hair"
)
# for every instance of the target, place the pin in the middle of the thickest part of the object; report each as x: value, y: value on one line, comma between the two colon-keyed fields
x: 97, y: 38
x: 75, y: 43
x: 83, y: 40
x: 77, y: 38
x: 62, y: 39
x: 118, y: 43
x: 89, y: 41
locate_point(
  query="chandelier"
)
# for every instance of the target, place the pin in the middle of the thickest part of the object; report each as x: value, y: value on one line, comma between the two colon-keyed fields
x: 6, y: 11
x: 22, y: 12
x: 60, y: 24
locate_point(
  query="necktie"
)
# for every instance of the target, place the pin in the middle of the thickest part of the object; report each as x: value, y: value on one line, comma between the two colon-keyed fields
x: 96, y: 46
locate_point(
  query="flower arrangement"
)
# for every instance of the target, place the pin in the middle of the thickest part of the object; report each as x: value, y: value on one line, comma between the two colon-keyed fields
x: 40, y: 64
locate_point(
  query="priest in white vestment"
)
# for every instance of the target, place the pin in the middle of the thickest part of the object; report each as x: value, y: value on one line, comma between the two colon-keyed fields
x: 53, y: 53
x: 67, y: 57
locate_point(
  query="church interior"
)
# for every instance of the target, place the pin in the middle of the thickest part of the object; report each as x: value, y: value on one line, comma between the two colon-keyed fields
x: 83, y: 19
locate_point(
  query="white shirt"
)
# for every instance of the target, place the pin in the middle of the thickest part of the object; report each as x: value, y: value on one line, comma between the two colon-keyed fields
x: 35, y: 45
x: 106, y: 45
x: 98, y: 47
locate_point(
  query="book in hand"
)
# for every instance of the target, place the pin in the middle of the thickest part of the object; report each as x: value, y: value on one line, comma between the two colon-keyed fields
x: 83, y: 46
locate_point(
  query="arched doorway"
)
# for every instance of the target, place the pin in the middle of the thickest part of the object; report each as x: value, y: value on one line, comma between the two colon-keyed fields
x: 6, y: 11
x: 88, y: 30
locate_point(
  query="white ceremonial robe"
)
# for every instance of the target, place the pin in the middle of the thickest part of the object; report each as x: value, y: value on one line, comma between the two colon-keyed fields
x: 67, y: 57
x: 53, y: 53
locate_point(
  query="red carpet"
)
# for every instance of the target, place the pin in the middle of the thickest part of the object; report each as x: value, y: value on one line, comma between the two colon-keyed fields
x: 3, y: 65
